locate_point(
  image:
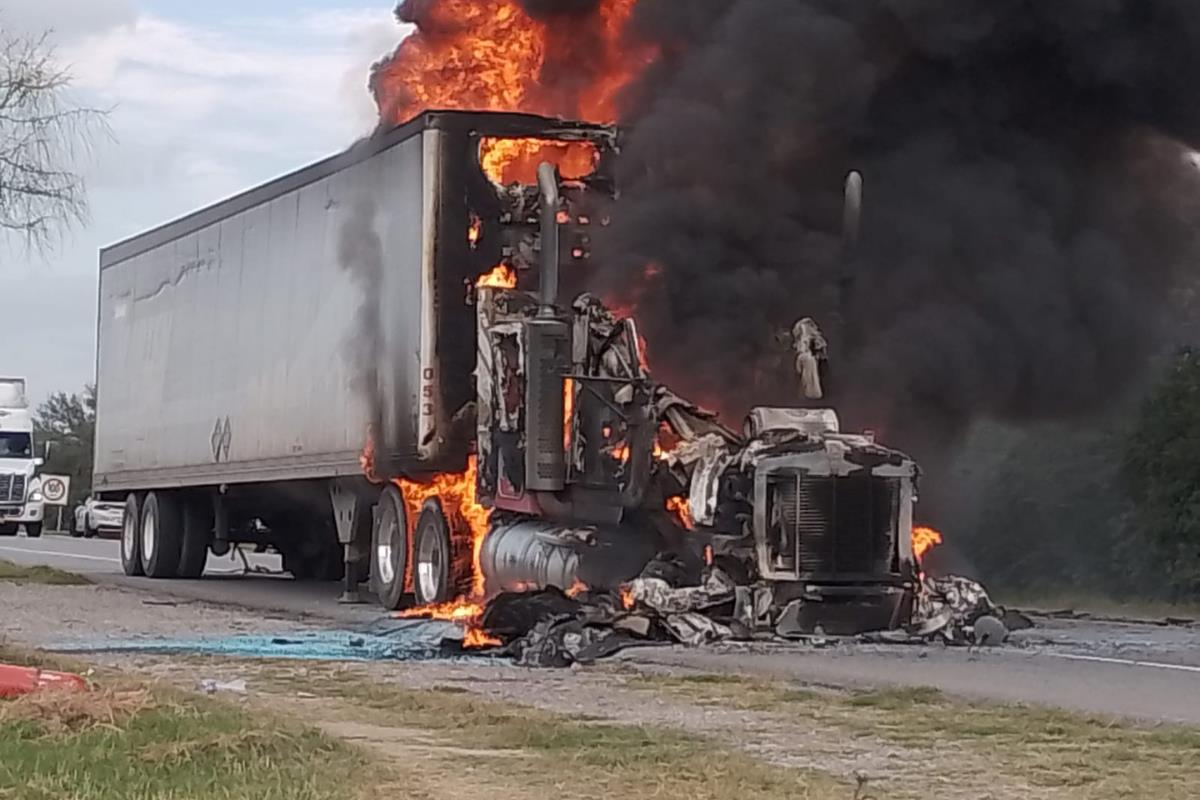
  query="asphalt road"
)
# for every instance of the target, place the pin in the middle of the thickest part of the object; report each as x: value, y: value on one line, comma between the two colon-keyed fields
x: 1142, y: 671
x: 225, y: 578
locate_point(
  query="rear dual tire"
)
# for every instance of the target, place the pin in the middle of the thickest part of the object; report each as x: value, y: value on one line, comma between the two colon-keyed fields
x: 164, y: 535
x: 131, y: 537
x: 441, y: 560
x: 161, y: 535
x: 389, y: 549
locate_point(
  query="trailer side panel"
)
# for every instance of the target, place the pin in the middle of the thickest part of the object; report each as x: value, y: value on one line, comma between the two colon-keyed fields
x: 233, y: 351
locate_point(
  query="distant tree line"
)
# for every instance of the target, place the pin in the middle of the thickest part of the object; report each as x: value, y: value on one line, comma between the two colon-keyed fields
x: 1103, y: 506
x: 67, y: 422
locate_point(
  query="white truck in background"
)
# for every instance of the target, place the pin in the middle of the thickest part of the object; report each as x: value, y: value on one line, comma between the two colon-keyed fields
x: 21, y: 501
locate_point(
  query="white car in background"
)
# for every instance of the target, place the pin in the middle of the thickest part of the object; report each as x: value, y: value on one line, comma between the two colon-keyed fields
x: 96, y: 517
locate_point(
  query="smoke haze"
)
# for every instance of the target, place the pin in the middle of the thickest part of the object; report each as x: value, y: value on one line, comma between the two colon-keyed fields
x: 1029, y: 200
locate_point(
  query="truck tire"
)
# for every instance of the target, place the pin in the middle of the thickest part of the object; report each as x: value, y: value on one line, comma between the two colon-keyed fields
x: 9, y: 530
x: 131, y: 537
x: 197, y: 533
x: 389, y: 549
x: 33, y: 530
x: 162, y: 535
x: 438, y: 564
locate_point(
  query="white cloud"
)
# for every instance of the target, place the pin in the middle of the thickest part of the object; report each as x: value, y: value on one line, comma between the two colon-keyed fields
x: 199, y: 112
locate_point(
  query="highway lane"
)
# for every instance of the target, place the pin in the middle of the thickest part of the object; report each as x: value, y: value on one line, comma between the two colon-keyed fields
x: 225, y: 578
x: 1132, y: 670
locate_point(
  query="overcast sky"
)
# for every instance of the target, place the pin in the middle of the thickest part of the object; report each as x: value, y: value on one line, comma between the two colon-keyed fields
x: 207, y: 98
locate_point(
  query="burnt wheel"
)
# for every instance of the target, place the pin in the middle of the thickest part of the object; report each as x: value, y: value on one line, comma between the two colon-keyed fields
x: 389, y: 549
x: 131, y: 536
x: 433, y: 561
x: 161, y: 535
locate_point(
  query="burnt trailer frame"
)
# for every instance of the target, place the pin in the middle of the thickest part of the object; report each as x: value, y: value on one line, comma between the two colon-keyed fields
x: 426, y: 371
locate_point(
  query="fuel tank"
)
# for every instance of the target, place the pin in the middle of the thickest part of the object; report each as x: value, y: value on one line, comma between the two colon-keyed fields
x: 532, y: 554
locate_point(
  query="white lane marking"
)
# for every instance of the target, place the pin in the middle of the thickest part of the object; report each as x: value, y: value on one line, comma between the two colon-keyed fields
x: 60, y: 554
x: 1126, y: 662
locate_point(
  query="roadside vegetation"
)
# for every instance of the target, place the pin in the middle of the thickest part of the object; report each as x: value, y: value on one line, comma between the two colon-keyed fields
x: 466, y: 745
x: 17, y: 573
x: 1054, y: 752
x: 330, y: 736
x: 125, y: 740
x: 1101, y: 510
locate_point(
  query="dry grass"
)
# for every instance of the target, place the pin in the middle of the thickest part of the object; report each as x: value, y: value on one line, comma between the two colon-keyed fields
x: 17, y: 573
x: 124, y: 740
x: 1101, y: 606
x: 1051, y: 751
x: 63, y: 711
x: 521, y: 751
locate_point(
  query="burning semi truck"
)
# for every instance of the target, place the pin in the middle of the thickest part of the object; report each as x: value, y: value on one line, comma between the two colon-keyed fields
x: 371, y: 367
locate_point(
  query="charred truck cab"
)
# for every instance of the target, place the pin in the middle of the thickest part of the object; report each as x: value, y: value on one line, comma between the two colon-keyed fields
x: 370, y: 366
x: 596, y: 472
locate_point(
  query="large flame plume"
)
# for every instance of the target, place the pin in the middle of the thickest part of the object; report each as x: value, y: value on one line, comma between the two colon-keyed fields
x: 456, y: 491
x: 493, y: 55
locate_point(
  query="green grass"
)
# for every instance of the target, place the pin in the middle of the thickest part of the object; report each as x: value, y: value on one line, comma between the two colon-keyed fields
x: 568, y: 757
x: 1100, y: 605
x: 16, y: 573
x: 117, y: 743
x: 1087, y: 757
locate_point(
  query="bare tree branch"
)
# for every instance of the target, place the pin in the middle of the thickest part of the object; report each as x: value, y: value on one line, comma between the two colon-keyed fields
x: 42, y: 137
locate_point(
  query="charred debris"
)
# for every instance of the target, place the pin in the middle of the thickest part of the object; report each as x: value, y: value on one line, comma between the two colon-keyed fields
x: 622, y: 513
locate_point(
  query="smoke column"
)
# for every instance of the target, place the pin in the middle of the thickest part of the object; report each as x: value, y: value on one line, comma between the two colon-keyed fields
x: 1029, y: 201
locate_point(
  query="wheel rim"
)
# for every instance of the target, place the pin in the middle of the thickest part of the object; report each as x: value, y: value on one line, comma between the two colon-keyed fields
x: 430, y: 564
x: 128, y: 543
x: 149, y: 535
x: 384, y: 552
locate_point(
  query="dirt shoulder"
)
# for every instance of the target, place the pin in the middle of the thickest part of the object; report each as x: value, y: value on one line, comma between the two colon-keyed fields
x: 635, y: 728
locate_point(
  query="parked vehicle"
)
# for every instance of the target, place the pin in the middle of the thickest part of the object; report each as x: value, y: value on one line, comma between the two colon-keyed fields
x: 21, y: 503
x: 98, y: 518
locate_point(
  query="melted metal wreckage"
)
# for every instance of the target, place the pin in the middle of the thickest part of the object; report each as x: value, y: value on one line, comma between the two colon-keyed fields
x: 625, y: 515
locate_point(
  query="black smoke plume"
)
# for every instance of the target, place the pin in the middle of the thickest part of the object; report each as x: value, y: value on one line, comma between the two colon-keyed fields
x: 1030, y: 201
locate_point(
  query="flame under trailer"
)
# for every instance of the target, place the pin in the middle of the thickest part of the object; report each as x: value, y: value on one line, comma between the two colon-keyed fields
x: 276, y: 369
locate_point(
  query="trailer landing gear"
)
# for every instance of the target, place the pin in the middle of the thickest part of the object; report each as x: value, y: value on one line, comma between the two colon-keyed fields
x: 352, y: 515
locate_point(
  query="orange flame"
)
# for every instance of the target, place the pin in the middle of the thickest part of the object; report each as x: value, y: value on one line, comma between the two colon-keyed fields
x: 366, y: 459
x: 489, y: 55
x: 469, y: 614
x: 457, y: 493
x: 683, y: 515
x: 501, y: 277
x: 507, y: 161
x: 478, y: 638
x: 458, y: 611
x: 924, y: 540
x: 568, y: 411
x: 475, y: 231
x: 577, y: 588
x: 627, y: 601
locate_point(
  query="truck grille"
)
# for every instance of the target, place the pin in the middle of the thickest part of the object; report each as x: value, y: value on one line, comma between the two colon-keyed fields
x: 12, y: 488
x: 833, y: 525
